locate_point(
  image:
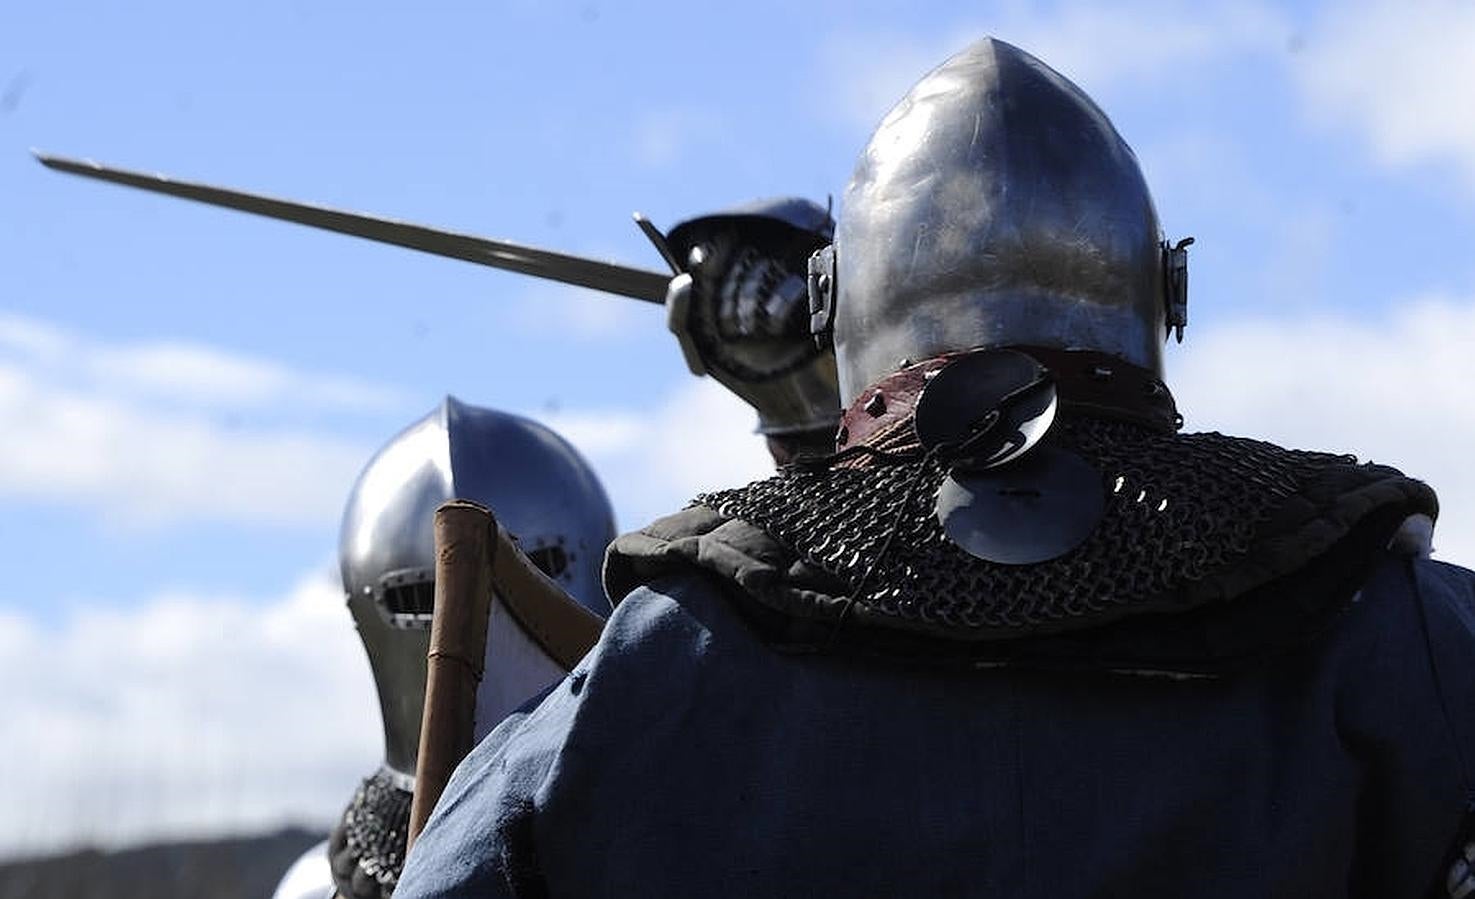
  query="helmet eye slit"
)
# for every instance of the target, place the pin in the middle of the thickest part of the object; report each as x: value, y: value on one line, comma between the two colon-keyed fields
x: 551, y: 560
x: 406, y: 598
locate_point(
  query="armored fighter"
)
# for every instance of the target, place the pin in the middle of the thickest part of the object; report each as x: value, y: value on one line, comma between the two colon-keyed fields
x: 549, y: 498
x: 1019, y: 636
x: 735, y: 294
x: 738, y: 305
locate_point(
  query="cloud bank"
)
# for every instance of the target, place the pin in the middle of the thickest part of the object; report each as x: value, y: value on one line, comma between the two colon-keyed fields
x: 189, y: 715
x: 183, y: 373
x: 1395, y: 390
x: 700, y: 437
x: 148, y: 434
x: 1401, y: 75
x: 1096, y: 44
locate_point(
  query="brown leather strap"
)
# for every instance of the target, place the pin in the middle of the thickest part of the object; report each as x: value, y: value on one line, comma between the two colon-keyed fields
x: 1101, y: 385
x: 563, y: 628
x: 887, y: 404
x: 1089, y: 383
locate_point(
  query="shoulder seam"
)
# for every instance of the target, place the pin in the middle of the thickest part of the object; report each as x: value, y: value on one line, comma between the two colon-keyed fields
x: 1438, y: 681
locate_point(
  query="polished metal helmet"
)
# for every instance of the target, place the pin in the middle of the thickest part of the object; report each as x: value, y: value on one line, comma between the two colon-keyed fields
x: 309, y: 877
x: 995, y: 205
x: 540, y: 489
x: 741, y: 312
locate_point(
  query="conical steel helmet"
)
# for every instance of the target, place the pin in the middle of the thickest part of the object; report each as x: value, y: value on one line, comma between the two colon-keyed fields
x: 995, y: 205
x: 541, y: 490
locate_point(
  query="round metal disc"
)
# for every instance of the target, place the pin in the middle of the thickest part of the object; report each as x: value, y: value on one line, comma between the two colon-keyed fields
x: 1041, y: 507
x: 996, y: 403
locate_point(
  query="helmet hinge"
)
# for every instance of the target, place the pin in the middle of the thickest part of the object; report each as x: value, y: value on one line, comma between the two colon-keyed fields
x: 1175, y: 283
x: 822, y: 294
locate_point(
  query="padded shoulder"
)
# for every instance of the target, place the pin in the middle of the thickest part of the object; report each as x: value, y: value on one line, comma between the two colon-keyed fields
x: 735, y: 551
x: 1446, y: 596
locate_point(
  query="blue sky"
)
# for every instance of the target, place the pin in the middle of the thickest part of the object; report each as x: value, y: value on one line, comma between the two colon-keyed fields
x: 188, y: 392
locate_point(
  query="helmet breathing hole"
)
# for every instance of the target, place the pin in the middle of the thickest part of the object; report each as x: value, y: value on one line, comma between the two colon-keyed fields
x: 408, y: 598
x: 551, y: 560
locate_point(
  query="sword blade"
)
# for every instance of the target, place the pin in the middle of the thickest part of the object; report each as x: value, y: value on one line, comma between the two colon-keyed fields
x: 610, y: 277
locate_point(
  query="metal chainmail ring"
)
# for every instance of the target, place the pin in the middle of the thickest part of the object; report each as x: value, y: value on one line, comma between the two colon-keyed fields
x: 367, y: 848
x: 1177, y: 508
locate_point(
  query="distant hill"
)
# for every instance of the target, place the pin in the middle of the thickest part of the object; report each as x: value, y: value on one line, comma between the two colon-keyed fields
x: 235, y: 868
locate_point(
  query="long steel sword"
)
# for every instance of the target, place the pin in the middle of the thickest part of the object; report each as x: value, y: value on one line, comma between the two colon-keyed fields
x: 641, y: 284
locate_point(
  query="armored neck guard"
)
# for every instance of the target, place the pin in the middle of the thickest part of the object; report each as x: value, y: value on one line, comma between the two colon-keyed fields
x: 367, y: 849
x: 1210, y: 550
x: 1090, y: 384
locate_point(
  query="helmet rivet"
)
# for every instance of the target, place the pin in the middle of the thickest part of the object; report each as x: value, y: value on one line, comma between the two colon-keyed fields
x: 876, y: 405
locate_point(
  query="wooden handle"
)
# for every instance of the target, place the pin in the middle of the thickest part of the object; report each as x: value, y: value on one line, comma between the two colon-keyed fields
x: 458, y: 638
x: 478, y: 563
x: 565, y: 630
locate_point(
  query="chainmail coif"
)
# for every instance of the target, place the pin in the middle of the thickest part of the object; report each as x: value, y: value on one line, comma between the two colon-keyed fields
x: 367, y: 848
x: 1179, y: 506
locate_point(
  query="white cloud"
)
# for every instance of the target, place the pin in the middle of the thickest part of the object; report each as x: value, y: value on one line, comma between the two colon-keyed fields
x: 550, y: 310
x: 1096, y: 44
x: 703, y: 440
x: 144, y: 433
x: 1395, y: 391
x: 662, y: 137
x: 146, y: 467
x: 185, y: 716
x: 1208, y: 186
x: 34, y: 338
x: 1402, y: 74
x: 653, y: 462
x: 599, y: 434
x: 182, y: 372
x: 206, y: 375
